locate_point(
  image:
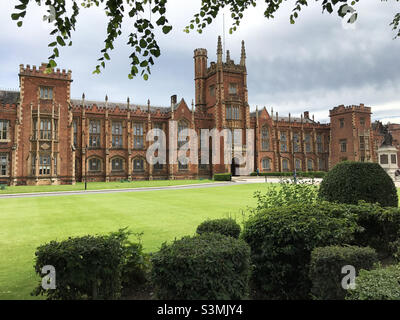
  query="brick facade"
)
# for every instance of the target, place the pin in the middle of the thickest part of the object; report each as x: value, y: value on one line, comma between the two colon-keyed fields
x: 48, y: 138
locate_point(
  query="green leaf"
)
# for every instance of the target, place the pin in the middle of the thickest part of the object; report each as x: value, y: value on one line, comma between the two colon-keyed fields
x: 166, y: 29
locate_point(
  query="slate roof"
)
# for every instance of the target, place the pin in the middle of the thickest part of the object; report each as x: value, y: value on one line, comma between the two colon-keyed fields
x: 9, y: 97
x: 112, y: 105
x: 286, y: 119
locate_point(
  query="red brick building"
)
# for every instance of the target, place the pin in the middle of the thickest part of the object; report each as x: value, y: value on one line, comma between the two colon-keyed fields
x: 48, y: 138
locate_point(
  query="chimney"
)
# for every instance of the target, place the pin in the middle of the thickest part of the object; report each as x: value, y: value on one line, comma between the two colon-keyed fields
x: 306, y: 115
x: 173, y: 99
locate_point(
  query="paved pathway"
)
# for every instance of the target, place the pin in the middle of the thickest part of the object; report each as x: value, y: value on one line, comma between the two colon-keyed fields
x: 80, y: 192
x: 237, y: 181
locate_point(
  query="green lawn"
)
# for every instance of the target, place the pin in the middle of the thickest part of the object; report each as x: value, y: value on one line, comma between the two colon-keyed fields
x: 101, y: 186
x: 26, y: 223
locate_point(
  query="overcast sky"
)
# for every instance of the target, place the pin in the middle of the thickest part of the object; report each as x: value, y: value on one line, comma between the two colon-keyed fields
x: 316, y: 64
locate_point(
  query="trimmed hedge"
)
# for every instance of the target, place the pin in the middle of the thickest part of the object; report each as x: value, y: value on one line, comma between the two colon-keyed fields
x: 326, y: 269
x: 305, y: 174
x: 86, y: 268
x: 282, y: 238
x: 349, y: 182
x: 222, y: 176
x: 210, y: 266
x: 92, y: 267
x: 377, y: 284
x: 227, y: 227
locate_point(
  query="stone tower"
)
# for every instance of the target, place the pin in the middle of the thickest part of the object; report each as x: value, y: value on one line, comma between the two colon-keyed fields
x: 351, y: 135
x: 221, y: 90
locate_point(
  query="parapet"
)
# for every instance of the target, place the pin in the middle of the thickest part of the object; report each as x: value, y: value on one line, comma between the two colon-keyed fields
x: 353, y: 108
x: 41, y: 71
x: 200, y: 52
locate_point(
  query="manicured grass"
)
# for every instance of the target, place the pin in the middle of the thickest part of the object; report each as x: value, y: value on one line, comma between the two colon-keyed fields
x: 26, y: 223
x: 101, y: 186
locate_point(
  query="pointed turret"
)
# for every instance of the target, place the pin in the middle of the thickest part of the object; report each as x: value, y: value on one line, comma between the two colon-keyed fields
x: 243, y: 55
x: 219, y: 50
x: 228, y: 56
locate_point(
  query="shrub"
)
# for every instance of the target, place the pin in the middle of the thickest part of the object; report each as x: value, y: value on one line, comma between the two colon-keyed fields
x: 91, y: 267
x: 86, y: 268
x: 326, y: 269
x: 282, y: 238
x: 135, y: 264
x: 286, y: 193
x: 227, y: 227
x: 222, y: 176
x: 377, y: 284
x: 209, y: 266
x: 349, y: 182
x: 381, y: 226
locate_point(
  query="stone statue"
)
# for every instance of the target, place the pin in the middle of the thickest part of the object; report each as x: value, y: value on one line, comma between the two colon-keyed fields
x: 388, y: 139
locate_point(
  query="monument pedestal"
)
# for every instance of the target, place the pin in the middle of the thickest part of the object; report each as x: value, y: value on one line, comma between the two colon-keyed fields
x: 387, y: 157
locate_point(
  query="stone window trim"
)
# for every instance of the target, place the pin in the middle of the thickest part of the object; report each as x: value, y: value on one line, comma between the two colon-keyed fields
x: 233, y: 88
x: 5, y: 130
x: 94, y: 164
x: 297, y: 164
x: 285, y: 163
x: 117, y: 164
x: 139, y: 164
x: 4, y: 165
x: 341, y: 122
x: 117, y: 132
x: 265, y: 145
x: 266, y: 164
x: 94, y: 133
x: 343, y: 145
x: 46, y: 92
x: 310, y: 164
x: 138, y: 135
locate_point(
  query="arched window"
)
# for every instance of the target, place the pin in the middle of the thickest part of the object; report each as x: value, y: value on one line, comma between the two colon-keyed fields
x: 117, y: 164
x: 266, y: 164
x: 285, y: 164
x: 283, y: 142
x: 310, y: 165
x: 94, y: 164
x: 182, y: 125
x: 321, y: 164
x: 138, y: 164
x: 298, y: 164
x: 264, y: 139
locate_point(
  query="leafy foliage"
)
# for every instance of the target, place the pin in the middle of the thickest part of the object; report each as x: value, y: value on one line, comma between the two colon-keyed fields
x: 142, y: 37
x: 377, y: 284
x: 349, y: 182
x: 227, y: 227
x: 380, y: 226
x: 282, y: 238
x: 91, y: 267
x: 222, y: 177
x: 210, y: 266
x: 286, y: 193
x: 326, y: 269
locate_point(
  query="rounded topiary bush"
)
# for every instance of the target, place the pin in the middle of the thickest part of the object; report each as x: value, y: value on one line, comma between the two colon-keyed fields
x: 349, y: 182
x: 210, y: 266
x: 227, y: 227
